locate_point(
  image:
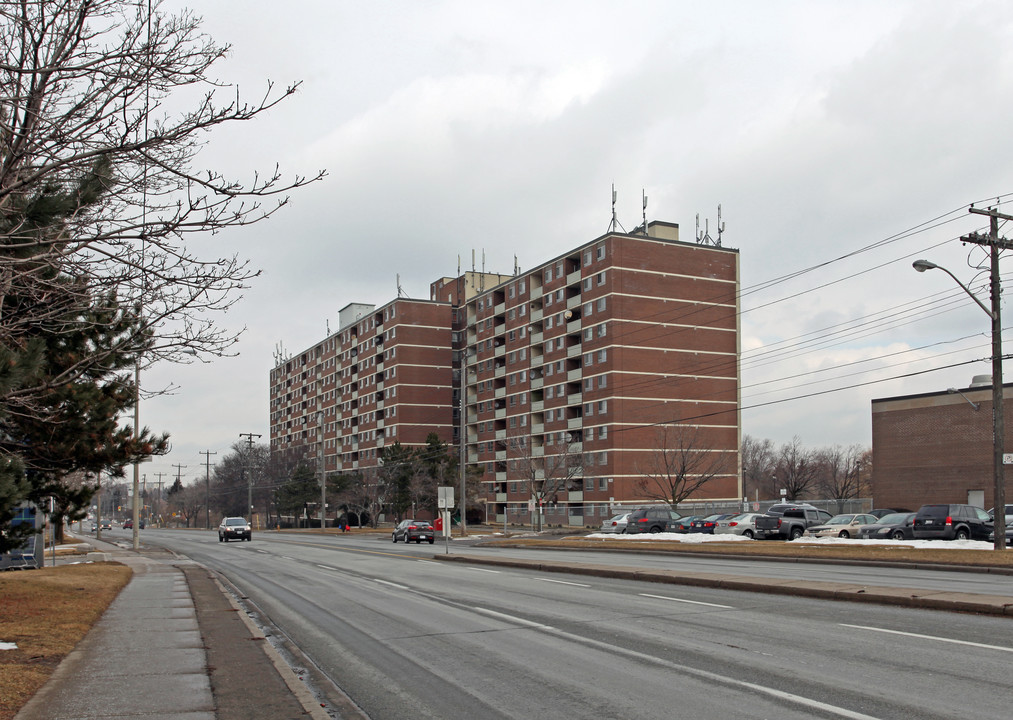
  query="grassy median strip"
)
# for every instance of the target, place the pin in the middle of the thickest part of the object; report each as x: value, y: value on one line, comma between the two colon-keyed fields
x: 45, y: 613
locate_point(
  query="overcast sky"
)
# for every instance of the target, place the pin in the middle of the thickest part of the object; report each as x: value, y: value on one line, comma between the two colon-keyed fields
x: 843, y: 140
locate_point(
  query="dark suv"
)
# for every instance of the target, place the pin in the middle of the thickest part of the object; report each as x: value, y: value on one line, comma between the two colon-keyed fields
x: 651, y: 520
x: 951, y: 522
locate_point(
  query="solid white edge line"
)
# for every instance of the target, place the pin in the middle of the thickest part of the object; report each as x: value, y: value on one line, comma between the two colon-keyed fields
x: 326, y: 567
x: 691, y: 602
x: 387, y: 582
x: 562, y: 582
x: 929, y: 637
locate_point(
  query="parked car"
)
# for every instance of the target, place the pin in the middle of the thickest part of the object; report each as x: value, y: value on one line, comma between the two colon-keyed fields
x: 417, y: 530
x: 896, y: 526
x: 708, y: 524
x: 615, y: 524
x: 682, y: 524
x: 651, y: 520
x: 1009, y: 514
x: 951, y: 522
x: 844, y: 526
x: 234, y: 528
x: 883, y: 512
x: 1009, y: 534
x: 742, y: 524
x: 789, y: 521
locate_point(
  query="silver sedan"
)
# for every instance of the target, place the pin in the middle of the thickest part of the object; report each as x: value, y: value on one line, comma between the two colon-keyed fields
x: 615, y: 524
x: 742, y: 524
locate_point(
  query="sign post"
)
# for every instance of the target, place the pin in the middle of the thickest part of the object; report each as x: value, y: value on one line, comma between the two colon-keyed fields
x: 444, y: 502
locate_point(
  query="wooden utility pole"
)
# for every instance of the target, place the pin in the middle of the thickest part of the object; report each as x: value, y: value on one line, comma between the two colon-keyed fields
x: 207, y: 486
x: 995, y: 244
x: 249, y: 471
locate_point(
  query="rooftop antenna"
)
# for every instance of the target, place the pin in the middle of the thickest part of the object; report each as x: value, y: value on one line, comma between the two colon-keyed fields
x: 615, y: 221
x: 644, y: 193
x: 400, y: 292
x: 327, y: 321
x: 705, y: 238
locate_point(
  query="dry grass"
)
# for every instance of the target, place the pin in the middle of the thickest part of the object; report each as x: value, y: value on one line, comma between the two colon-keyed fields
x: 778, y: 549
x: 45, y: 613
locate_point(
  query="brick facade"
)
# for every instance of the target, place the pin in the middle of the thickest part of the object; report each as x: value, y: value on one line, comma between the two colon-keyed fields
x: 587, y: 354
x: 936, y: 448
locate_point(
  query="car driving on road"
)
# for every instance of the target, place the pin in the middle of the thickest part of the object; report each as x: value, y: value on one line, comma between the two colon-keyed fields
x: 417, y: 530
x: 234, y: 528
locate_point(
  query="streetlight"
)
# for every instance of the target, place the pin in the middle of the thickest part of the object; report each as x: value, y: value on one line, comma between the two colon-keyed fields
x: 998, y: 420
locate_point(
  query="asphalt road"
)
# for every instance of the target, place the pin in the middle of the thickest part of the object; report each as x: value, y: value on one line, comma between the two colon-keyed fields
x: 403, y: 635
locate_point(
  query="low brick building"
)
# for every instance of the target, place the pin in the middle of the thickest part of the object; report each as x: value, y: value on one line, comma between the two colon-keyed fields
x: 937, y: 447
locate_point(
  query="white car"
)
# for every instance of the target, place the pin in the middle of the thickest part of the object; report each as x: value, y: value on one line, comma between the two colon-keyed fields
x: 743, y: 524
x: 615, y: 524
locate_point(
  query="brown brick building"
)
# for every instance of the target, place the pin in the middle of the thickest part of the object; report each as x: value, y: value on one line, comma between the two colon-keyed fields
x: 936, y: 448
x: 574, y: 368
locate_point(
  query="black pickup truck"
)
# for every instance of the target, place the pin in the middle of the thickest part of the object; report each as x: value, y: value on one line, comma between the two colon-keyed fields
x: 789, y: 521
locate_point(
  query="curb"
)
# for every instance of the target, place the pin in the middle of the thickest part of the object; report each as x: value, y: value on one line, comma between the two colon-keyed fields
x: 1000, y: 605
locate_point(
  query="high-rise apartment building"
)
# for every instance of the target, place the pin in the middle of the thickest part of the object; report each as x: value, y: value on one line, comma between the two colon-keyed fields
x: 580, y: 378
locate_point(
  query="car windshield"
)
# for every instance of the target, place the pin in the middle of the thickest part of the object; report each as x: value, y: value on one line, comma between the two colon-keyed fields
x: 840, y: 519
x: 235, y: 521
x: 893, y: 519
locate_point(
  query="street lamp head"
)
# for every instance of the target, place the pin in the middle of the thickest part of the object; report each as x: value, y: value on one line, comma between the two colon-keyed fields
x: 923, y: 265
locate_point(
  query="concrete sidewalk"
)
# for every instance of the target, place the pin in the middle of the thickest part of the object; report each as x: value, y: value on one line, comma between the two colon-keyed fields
x: 148, y: 656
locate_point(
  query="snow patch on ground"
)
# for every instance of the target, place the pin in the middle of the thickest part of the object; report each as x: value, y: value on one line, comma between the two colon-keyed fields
x: 696, y: 538
x: 8, y: 646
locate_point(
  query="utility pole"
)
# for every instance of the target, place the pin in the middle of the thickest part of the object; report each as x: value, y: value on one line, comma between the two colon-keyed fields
x: 249, y: 470
x: 179, y: 480
x: 995, y: 244
x: 158, y: 507
x: 207, y: 486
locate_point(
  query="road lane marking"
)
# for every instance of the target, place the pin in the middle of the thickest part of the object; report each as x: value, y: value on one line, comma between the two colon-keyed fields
x: 327, y: 567
x: 485, y: 570
x: 930, y: 637
x: 691, y: 602
x: 512, y: 618
x: 563, y: 582
x: 387, y: 582
x: 613, y: 650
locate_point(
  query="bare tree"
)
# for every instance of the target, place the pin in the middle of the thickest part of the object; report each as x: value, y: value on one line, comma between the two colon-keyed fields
x: 679, y: 465
x: 97, y: 170
x: 757, y: 467
x: 840, y: 475
x: 796, y: 470
x: 547, y: 474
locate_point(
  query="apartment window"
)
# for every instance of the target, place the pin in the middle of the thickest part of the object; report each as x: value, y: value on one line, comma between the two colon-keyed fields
x: 559, y: 295
x: 559, y: 269
x: 588, y: 334
x: 601, y: 304
x: 587, y: 284
x: 601, y: 252
x: 523, y: 354
x: 548, y: 299
x: 548, y: 274
x: 588, y: 359
x: 548, y: 323
x: 602, y: 381
x: 588, y: 307
x: 603, y: 484
x: 601, y: 278
x: 603, y: 407
x: 481, y: 305
x: 559, y: 342
x: 511, y: 314
x: 603, y: 432
x: 587, y: 258
x: 588, y: 409
x: 588, y: 383
x: 520, y: 288
x: 589, y: 433
x: 523, y: 401
x: 522, y: 310
x: 512, y: 335
x: 524, y: 375
x: 513, y: 423
x: 511, y: 290
x: 603, y: 458
x: 602, y: 354
x: 601, y: 330
x: 549, y: 392
x: 548, y: 369
x: 548, y: 346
